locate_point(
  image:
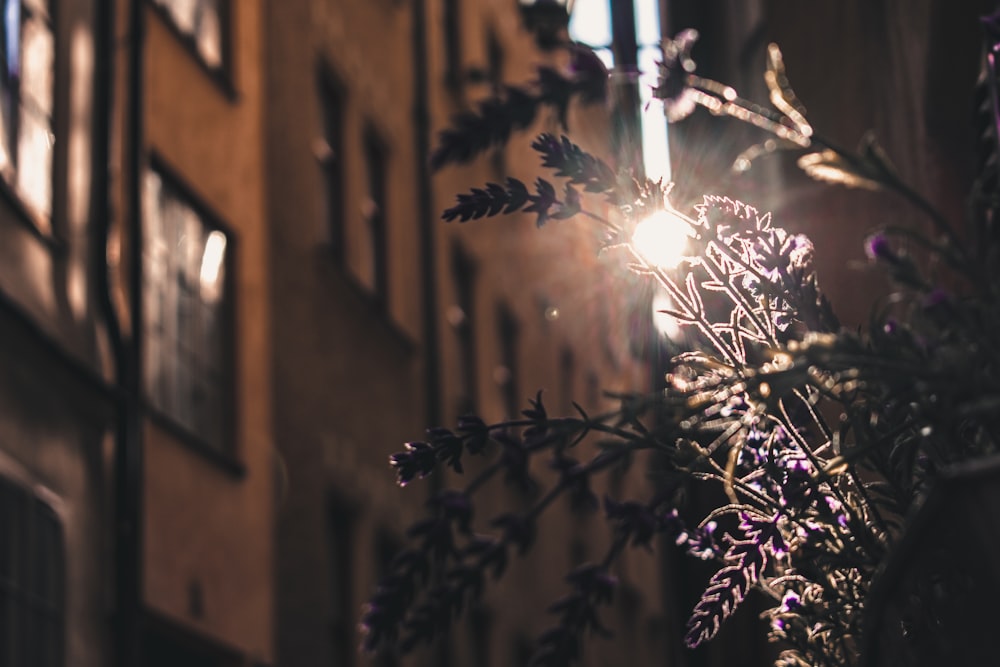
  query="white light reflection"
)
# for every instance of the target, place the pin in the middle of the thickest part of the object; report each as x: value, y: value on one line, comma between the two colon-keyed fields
x: 590, y: 22
x: 211, y: 266
x: 664, y: 322
x: 655, y: 151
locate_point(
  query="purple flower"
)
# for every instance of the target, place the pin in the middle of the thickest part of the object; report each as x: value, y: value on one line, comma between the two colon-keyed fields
x: 800, y: 252
x: 877, y: 247
x: 700, y: 542
x: 791, y: 601
x: 936, y: 297
x: 837, y: 509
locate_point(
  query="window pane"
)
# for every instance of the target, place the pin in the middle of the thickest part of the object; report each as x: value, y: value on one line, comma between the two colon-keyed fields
x: 36, y: 75
x: 200, y: 21
x: 209, y: 36
x: 182, y: 12
x: 12, y: 37
x: 34, y: 168
x: 5, y: 130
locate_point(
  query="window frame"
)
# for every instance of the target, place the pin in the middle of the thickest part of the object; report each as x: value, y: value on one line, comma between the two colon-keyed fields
x: 225, y: 453
x: 222, y: 74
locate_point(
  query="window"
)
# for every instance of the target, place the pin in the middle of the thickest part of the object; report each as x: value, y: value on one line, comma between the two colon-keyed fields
x: 462, y: 317
x: 187, y: 313
x: 452, y: 45
x: 375, y: 260
x: 494, y: 74
x: 26, y: 104
x: 32, y: 580
x: 387, y: 547
x: 593, y: 390
x: 331, y: 157
x: 567, y: 377
x: 480, y: 625
x: 202, y: 24
x: 340, y: 570
x: 506, y: 374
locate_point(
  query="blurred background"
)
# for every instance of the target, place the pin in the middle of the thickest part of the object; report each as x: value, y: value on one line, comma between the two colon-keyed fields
x: 226, y: 296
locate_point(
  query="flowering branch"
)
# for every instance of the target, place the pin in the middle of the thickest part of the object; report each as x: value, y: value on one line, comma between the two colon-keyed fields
x: 822, y: 440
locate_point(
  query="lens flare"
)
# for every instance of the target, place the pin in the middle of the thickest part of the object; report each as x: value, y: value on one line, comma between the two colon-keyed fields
x: 661, y: 239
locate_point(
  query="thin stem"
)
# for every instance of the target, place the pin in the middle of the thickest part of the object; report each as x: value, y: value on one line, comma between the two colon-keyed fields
x: 730, y: 104
x: 722, y: 99
x: 483, y: 477
x: 740, y: 300
x: 697, y: 317
x: 602, y: 220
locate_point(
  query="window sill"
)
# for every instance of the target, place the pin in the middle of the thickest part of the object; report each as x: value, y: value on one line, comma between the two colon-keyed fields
x: 220, y: 76
x: 223, y: 460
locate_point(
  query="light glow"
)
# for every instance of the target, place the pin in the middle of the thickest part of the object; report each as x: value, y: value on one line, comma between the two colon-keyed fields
x: 661, y: 239
x: 211, y: 266
x: 664, y: 322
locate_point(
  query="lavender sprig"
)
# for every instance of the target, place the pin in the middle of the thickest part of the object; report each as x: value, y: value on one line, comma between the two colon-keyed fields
x: 746, y: 557
x: 497, y: 117
x: 495, y: 199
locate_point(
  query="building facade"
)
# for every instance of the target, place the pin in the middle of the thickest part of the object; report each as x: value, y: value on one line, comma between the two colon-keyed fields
x: 58, y: 402
x: 136, y: 467
x: 194, y: 158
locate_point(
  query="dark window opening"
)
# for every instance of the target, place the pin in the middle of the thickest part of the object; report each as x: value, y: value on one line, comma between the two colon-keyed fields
x: 463, y: 272
x: 376, y: 252
x: 507, y: 375
x: 387, y: 546
x: 494, y: 75
x: 340, y: 570
x: 567, y: 376
x: 452, y: 45
x: 480, y: 635
x: 32, y: 580
x: 577, y: 551
x: 331, y: 157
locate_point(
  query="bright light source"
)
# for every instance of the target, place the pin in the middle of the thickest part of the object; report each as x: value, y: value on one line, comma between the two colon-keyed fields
x: 661, y: 239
